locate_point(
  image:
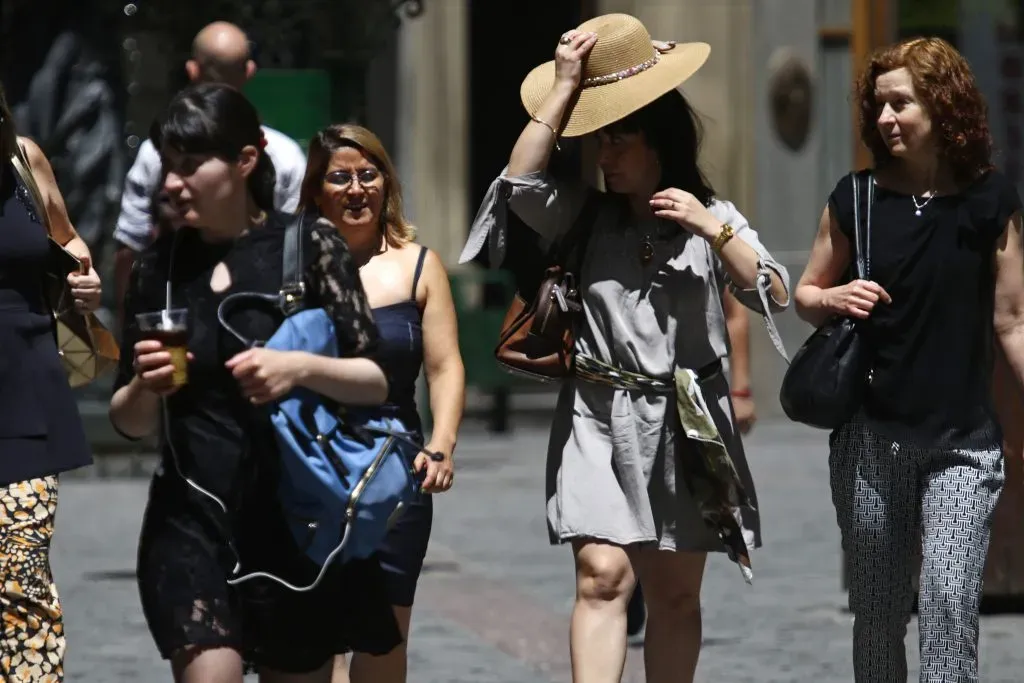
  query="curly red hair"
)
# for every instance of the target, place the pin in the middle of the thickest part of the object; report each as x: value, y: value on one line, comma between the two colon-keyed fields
x: 946, y: 86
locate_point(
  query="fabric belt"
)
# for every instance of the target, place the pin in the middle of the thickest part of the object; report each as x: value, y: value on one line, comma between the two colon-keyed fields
x: 597, y: 372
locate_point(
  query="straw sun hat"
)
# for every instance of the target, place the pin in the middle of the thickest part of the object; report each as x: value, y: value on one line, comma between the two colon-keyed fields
x: 623, y: 73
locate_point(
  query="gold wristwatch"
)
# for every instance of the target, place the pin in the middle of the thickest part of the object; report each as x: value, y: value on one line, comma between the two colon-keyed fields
x: 724, y: 236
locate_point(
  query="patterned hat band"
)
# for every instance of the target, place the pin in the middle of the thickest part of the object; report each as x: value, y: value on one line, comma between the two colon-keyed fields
x: 631, y: 71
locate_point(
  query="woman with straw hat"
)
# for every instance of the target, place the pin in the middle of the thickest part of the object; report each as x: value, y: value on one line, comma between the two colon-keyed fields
x: 644, y: 456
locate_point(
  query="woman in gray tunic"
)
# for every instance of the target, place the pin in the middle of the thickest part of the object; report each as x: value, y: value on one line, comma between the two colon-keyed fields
x: 645, y: 426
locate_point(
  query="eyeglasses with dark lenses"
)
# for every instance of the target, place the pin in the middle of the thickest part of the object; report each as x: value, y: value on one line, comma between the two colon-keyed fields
x: 365, y: 176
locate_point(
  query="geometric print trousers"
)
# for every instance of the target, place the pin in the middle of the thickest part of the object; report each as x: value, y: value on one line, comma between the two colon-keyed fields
x: 887, y: 497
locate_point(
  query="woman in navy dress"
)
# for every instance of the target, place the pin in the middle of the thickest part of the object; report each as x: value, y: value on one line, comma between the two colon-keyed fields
x: 351, y: 182
x: 41, y: 433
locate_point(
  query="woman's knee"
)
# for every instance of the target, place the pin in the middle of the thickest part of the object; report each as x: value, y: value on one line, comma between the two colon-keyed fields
x: 672, y: 583
x: 603, y: 573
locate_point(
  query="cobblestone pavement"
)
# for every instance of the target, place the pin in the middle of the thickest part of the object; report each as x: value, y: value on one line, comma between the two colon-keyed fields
x: 495, y: 598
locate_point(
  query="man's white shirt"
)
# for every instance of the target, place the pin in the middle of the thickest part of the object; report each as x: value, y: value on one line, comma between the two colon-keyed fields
x: 135, y: 224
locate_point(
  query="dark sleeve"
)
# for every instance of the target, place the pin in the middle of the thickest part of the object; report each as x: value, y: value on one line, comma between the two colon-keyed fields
x: 840, y: 205
x: 145, y: 292
x: 334, y: 278
x: 133, y: 298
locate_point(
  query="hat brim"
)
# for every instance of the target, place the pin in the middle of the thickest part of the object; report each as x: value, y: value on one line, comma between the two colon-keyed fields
x: 600, y: 105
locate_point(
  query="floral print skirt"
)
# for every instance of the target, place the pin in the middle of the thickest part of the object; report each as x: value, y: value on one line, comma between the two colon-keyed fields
x: 32, y: 641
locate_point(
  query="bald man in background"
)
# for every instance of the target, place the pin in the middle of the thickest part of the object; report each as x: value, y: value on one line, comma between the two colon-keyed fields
x: 220, y: 54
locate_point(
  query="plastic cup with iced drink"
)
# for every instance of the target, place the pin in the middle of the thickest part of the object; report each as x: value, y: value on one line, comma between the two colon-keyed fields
x: 170, y: 328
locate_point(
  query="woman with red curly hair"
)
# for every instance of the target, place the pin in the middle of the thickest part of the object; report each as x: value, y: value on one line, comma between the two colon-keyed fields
x: 922, y: 457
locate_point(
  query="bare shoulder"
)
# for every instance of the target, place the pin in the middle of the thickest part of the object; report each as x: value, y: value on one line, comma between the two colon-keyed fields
x: 32, y: 151
x: 37, y: 160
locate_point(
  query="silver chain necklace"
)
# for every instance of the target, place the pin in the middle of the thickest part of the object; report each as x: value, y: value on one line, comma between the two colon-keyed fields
x: 920, y: 205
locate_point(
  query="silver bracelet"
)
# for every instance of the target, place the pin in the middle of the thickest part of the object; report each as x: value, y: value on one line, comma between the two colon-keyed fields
x: 549, y: 127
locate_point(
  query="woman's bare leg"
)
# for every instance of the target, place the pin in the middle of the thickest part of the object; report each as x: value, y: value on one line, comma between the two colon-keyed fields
x: 671, y: 582
x: 389, y: 668
x: 597, y: 636
x: 215, y: 665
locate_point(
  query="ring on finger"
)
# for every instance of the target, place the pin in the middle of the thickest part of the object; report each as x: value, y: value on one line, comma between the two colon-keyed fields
x: 566, y: 38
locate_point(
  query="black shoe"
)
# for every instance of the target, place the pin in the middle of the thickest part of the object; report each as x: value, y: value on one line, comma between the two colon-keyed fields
x: 636, y: 613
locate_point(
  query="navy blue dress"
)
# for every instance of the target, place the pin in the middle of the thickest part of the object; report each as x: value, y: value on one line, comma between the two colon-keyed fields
x: 400, y: 354
x: 41, y: 432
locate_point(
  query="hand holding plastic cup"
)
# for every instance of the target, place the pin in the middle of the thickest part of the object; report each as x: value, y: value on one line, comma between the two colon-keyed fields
x: 170, y: 328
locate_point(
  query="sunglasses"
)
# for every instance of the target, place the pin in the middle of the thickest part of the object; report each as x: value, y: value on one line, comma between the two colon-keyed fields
x: 365, y: 176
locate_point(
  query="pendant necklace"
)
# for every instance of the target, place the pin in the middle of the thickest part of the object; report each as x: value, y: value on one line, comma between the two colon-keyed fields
x: 920, y: 205
x: 661, y: 233
x: 646, y: 249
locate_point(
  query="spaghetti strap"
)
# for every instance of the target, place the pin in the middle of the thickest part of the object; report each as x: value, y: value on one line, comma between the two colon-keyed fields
x: 419, y: 270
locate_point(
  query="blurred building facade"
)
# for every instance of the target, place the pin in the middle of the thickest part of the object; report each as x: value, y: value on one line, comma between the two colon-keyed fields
x: 439, y: 80
x: 775, y: 95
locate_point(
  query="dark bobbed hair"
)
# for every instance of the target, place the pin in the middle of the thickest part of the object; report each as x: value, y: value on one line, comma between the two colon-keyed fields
x: 674, y: 131
x: 216, y: 120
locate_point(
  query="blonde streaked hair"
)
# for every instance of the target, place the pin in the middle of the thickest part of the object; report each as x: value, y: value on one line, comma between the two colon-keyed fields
x: 397, y: 230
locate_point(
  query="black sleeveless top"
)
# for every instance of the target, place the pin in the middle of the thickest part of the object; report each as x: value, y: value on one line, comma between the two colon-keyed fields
x: 933, y: 346
x: 400, y: 351
x: 41, y: 432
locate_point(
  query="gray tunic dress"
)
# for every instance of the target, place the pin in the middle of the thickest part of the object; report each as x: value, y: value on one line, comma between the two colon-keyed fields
x: 613, y: 453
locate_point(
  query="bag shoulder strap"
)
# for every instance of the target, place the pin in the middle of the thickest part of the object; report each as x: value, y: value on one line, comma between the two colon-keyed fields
x: 862, y: 234
x: 23, y: 169
x: 293, y: 286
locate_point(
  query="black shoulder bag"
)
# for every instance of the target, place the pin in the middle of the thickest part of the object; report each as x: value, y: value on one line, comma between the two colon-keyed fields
x: 828, y: 377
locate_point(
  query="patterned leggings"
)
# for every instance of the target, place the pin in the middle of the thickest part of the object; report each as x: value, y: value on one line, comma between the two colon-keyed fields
x: 885, y: 495
x: 32, y: 640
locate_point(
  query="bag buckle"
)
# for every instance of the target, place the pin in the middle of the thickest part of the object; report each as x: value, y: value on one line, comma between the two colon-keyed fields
x: 567, y: 286
x: 291, y: 297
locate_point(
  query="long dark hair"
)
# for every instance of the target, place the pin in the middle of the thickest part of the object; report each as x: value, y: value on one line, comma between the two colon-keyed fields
x: 673, y: 130
x: 217, y: 120
x: 8, y: 134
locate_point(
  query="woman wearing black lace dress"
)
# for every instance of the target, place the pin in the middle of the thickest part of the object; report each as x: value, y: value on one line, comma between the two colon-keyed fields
x: 219, y: 433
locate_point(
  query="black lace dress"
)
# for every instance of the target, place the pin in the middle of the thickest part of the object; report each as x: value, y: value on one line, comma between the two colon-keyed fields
x: 189, y: 546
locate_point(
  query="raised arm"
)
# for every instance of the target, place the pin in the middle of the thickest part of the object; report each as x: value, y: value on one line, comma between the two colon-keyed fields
x: 533, y: 148
x: 548, y: 207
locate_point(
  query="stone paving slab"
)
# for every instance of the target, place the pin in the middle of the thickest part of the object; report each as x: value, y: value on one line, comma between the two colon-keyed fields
x: 495, y: 598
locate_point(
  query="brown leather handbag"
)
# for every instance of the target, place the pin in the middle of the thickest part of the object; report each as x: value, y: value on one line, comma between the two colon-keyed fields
x: 538, y: 333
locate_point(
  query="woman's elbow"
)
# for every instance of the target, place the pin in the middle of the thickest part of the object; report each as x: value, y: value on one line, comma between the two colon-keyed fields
x: 779, y: 293
x: 125, y: 424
